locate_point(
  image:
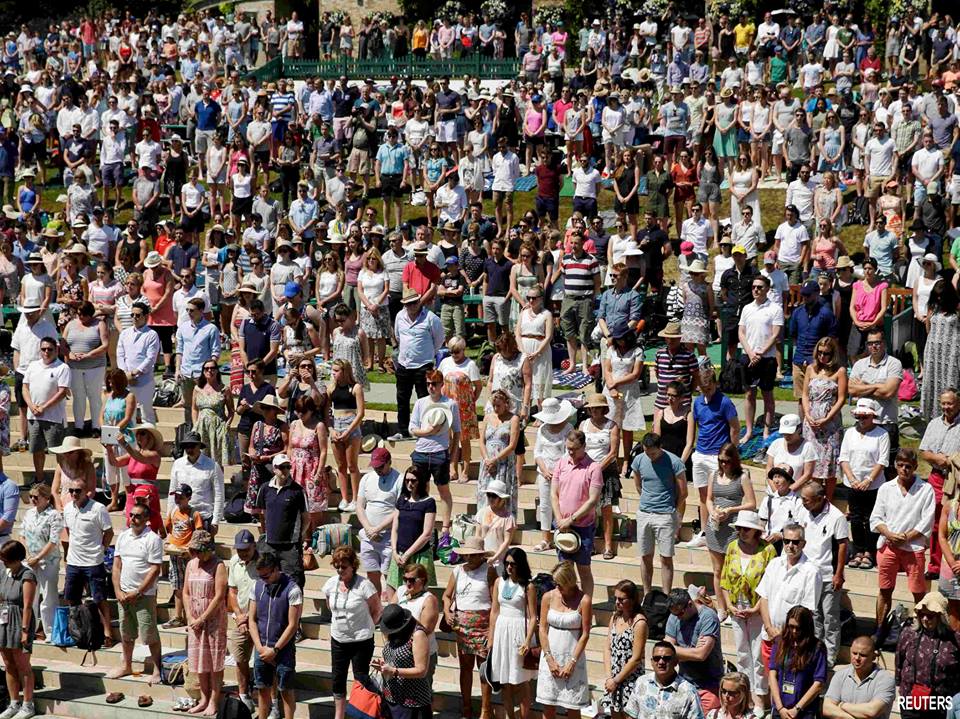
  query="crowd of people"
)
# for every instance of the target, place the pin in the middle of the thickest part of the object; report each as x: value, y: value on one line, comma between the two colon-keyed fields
x: 169, y: 216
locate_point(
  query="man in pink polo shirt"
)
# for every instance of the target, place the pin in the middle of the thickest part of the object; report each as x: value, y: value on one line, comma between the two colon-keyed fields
x: 577, y: 481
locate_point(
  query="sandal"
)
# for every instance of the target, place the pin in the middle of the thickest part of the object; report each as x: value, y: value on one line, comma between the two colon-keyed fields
x: 866, y: 563
x: 856, y: 562
x: 175, y: 623
x: 609, y: 554
x: 541, y: 547
x: 115, y: 697
x: 144, y: 700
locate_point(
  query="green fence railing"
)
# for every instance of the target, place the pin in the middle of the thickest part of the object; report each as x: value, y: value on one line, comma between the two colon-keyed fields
x: 479, y: 66
x: 271, y: 71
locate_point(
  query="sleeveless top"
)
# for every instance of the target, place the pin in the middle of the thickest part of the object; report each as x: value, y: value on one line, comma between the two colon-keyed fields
x: 352, y: 268
x: 401, y: 690
x: 81, y: 339
x: 597, y: 440
x: 142, y: 472
x: 532, y: 325
x: 342, y: 397
x: 674, y: 434
x: 415, y: 607
x: 472, y: 590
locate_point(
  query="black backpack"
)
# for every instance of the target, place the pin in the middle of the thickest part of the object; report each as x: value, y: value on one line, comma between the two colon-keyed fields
x: 83, y: 624
x: 543, y: 583
x: 233, y: 708
x: 888, y: 634
x: 656, y: 608
x: 167, y: 393
x: 731, y: 378
x: 233, y: 510
x: 860, y: 211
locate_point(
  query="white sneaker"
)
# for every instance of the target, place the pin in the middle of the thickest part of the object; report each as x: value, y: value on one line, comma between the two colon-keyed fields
x: 351, y: 507
x: 247, y: 701
x: 275, y: 711
x: 343, y: 505
x: 26, y: 712
x: 698, y: 541
x: 11, y: 711
x: 397, y: 437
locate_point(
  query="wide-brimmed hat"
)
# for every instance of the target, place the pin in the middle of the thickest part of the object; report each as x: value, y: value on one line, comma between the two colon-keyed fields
x: 930, y: 257
x: 248, y: 287
x: 71, y: 444
x: 437, y: 414
x: 192, y: 438
x: 566, y: 542
x: 410, y: 296
x: 554, y: 411
x: 643, y: 75
x: 748, y: 519
x: 49, y: 232
x: 596, y: 400
x: 370, y: 443
x: 395, y: 619
x: 472, y: 545
x: 10, y: 212
x: 268, y: 401
x: 671, y: 331
x: 152, y: 429
x: 153, y: 259
x: 202, y: 541
x: 420, y: 247
x: 843, y: 262
x: 76, y: 248
x: 865, y: 405
x: 31, y: 306
x: 726, y: 92
x: 933, y: 602
x: 697, y: 267
x: 498, y: 488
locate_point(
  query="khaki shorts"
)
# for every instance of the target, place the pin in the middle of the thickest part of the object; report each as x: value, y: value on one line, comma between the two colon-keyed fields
x: 139, y: 620
x: 240, y: 645
x: 799, y: 373
x: 359, y: 161
x: 875, y: 186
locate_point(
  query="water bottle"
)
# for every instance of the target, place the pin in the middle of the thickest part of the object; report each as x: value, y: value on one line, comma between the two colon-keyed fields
x: 281, y: 366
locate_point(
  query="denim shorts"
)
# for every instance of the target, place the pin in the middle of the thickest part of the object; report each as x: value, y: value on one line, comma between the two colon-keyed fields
x: 264, y: 674
x: 77, y: 578
x: 436, y: 463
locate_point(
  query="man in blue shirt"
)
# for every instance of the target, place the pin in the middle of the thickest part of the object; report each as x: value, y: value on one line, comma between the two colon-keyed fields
x: 695, y: 631
x: 198, y: 347
x: 207, y: 114
x: 660, y: 477
x: 716, y: 421
x: 419, y: 336
x: 809, y: 324
x: 304, y: 214
x: 390, y: 169
x: 620, y: 305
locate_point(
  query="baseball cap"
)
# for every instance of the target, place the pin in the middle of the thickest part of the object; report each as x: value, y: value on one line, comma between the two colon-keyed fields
x: 739, y: 249
x: 244, y: 539
x: 770, y: 258
x: 809, y: 289
x: 184, y: 490
x: 380, y: 457
x: 291, y: 289
x: 686, y: 247
x: 453, y: 260
x: 280, y: 460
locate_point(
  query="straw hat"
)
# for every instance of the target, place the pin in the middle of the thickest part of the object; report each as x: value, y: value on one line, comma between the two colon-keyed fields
x: 726, y: 92
x: 153, y: 259
x: 933, y: 602
x: 437, y: 414
x: 697, y: 267
x: 671, y: 331
x: 748, y: 519
x: 10, y: 212
x: 410, y: 296
x: 248, y: 287
x: 268, y: 401
x: 554, y: 411
x: 71, y: 444
x: 566, y: 542
x: 596, y: 400
x: 152, y: 429
x: 76, y: 249
x: 472, y: 545
x: 844, y: 261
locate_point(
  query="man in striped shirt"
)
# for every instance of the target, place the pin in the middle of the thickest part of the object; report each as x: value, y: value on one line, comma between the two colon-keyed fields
x: 674, y: 363
x: 283, y: 107
x: 581, y: 283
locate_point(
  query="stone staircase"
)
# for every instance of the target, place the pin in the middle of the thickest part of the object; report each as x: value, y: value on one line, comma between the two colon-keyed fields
x: 64, y: 688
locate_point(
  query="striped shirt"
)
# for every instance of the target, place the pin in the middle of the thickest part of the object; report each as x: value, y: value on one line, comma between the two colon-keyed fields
x: 669, y: 367
x: 578, y: 275
x: 280, y: 100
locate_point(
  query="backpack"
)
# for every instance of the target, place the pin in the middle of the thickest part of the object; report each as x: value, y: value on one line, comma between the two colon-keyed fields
x: 233, y: 511
x: 656, y: 608
x: 543, y: 583
x: 83, y: 623
x: 233, y: 708
x: 907, y: 391
x: 731, y: 378
x: 167, y: 393
x: 888, y: 634
x: 860, y: 211
x: 181, y: 432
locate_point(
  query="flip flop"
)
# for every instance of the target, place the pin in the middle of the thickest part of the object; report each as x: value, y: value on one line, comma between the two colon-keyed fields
x: 608, y: 554
x: 144, y: 701
x: 115, y: 697
x: 541, y: 547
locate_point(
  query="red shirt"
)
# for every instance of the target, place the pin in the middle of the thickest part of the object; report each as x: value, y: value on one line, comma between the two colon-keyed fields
x: 421, y: 278
x: 868, y: 64
x: 548, y: 181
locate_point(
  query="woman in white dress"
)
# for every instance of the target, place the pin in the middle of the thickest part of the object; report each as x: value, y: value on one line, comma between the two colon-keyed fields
x: 566, y: 616
x: 471, y: 173
x: 513, y: 623
x: 480, y: 146
x: 917, y: 247
x: 534, y: 332
x: 217, y: 165
x: 744, y: 178
x: 831, y: 48
x: 510, y: 371
x: 622, y: 369
x: 603, y: 445
x: 373, y: 292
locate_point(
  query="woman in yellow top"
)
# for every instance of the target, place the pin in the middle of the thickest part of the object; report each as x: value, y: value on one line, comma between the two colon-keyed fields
x: 421, y: 37
x: 746, y: 560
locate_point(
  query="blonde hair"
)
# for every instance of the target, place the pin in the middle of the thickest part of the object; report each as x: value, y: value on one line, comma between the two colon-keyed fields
x: 456, y: 342
x: 564, y: 575
x: 347, y: 371
x: 374, y: 253
x: 743, y: 688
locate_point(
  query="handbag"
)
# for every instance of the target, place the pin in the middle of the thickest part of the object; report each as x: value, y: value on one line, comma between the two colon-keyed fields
x: 365, y: 702
x: 61, y: 634
x: 463, y: 527
x: 531, y: 660
x: 310, y: 561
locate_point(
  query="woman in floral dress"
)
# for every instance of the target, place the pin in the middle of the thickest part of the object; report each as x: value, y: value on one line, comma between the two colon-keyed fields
x: 462, y: 383
x: 205, y: 601
x: 623, y: 655
x: 268, y: 438
x: 72, y: 288
x: 510, y: 371
x: 697, y: 308
x: 501, y: 432
x: 212, y: 413
x: 307, y: 449
x: 825, y: 393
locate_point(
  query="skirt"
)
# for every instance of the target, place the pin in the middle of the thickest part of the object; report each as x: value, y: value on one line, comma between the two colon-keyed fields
x: 424, y: 557
x: 473, y: 629
x: 612, y: 487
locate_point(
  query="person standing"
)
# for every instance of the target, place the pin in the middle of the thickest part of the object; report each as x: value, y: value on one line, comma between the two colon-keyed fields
x: 877, y: 376
x: 241, y: 579
x: 581, y: 282
x: 376, y: 504
x: 419, y: 335
x: 18, y: 587
x: 137, y: 350
x: 46, y: 384
x: 137, y: 564
x: 760, y: 326
x: 40, y: 533
x: 284, y: 523
x: 198, y: 340
x: 205, y: 478
x: 941, y: 440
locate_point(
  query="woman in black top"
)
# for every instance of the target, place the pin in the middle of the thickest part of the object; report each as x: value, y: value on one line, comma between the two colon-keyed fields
x: 412, y: 532
x: 252, y: 392
x: 175, y: 172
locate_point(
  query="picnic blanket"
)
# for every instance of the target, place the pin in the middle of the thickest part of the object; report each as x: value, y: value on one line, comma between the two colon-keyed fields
x: 577, y: 380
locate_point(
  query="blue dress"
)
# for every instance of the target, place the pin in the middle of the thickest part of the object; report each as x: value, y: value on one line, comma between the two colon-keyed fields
x: 831, y: 145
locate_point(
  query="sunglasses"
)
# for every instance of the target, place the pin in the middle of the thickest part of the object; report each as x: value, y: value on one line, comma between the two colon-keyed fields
x: 410, y: 580
x: 661, y: 659
x: 209, y: 369
x: 48, y: 349
x: 434, y: 384
x: 138, y: 515
x: 75, y: 491
x: 792, y: 541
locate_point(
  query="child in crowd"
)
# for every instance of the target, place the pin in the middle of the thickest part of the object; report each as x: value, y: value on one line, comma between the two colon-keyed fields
x: 780, y: 509
x: 180, y: 525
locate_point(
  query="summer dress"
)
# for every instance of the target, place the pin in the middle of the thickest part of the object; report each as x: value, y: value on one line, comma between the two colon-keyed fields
x: 621, y: 651
x: 496, y: 439
x: 304, y: 460
x: 212, y: 426
x: 207, y: 646
x: 564, y: 633
x: 509, y: 634
x: 823, y: 393
x: 533, y: 327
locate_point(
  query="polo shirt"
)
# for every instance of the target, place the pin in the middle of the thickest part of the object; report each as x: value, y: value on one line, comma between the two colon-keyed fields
x: 687, y: 634
x: 498, y: 276
x: 760, y: 322
x: 380, y: 495
x: 208, y: 115
x: 578, y: 274
x: 85, y: 526
x: 940, y: 437
x: 713, y: 422
x: 882, y: 247
x: 785, y: 587
x: 574, y: 482
x: 865, y: 450
x: 658, y: 481
x: 258, y: 336
x: 878, y: 684
x: 737, y: 287
x: 420, y: 278
x: 392, y: 158
x: 140, y: 553
x: 283, y: 508
x: 864, y: 370
x: 180, y: 256
x: 808, y: 328
x: 821, y: 531
x: 903, y: 512
x: 242, y: 576
x: 44, y: 380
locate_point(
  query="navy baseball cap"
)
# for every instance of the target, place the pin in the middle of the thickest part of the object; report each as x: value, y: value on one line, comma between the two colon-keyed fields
x: 244, y: 539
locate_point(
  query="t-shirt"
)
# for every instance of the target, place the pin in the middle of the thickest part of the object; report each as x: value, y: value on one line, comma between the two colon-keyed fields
x: 44, y: 380
x: 412, y: 514
x: 139, y: 552
x: 760, y: 322
x: 795, y: 459
x: 180, y: 526
x: 713, y: 422
x: 380, y: 495
x: 879, y: 156
x: 703, y: 675
x: 658, y: 490
x: 283, y: 508
x: 350, y: 613
x: 791, y: 238
x: 85, y: 527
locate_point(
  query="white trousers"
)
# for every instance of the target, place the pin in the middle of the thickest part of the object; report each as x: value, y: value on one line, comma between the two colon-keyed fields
x: 144, y: 395
x: 86, y: 386
x: 746, y: 633
x: 116, y: 476
x: 47, y: 598
x: 545, y: 508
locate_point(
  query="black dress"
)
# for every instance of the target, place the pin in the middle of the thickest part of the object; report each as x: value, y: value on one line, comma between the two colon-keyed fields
x: 673, y: 438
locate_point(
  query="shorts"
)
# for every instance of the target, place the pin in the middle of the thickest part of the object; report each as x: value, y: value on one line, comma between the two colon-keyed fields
x: 436, y: 464
x: 447, y: 131
x: 656, y: 531
x: 763, y: 374
x: 261, y: 158
x: 18, y: 390
x: 240, y: 646
x: 264, y: 675
x: 703, y: 466
x: 799, y: 373
x: 342, y: 422
x: 576, y: 317
x: 241, y: 207
x: 112, y: 175
x: 891, y: 561
x: 496, y: 310
x: 502, y: 196
x: 375, y: 555
x: 548, y: 207
x: 953, y: 190
x: 200, y: 141
x: 359, y: 161
x: 581, y: 556
x: 875, y: 186
x: 165, y: 333
x: 278, y: 130
x: 193, y: 223
x: 777, y: 144
x: 390, y: 185
x: 587, y: 206
x: 177, y: 571
x: 79, y: 578
x: 42, y: 434
x: 138, y: 620
x: 673, y: 144
x: 33, y: 152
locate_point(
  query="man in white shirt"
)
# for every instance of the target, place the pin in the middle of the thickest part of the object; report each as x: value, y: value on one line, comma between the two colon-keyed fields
x: 790, y: 580
x: 697, y: 229
x: 188, y: 290
x: 759, y: 329
x: 747, y: 233
x: 825, y: 528
x: 879, y: 155
x: 800, y: 195
x: 26, y: 348
x: 586, y: 183
x: 779, y: 284
x: 903, y: 517
x: 792, y: 244
x: 89, y: 530
x: 205, y: 478
x: 506, y: 172
x: 768, y: 32
x: 147, y: 152
x: 451, y: 200
x: 46, y: 384
x: 136, y: 569
x: 137, y: 350
x: 113, y: 147
x: 928, y: 166
x: 376, y: 504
